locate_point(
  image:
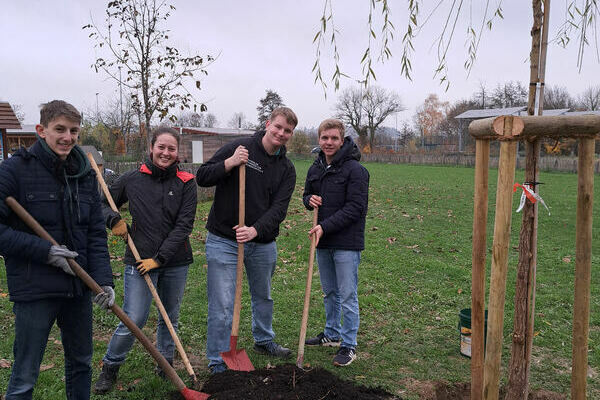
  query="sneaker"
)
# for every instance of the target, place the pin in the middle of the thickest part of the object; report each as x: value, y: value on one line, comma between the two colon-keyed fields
x: 107, y: 379
x: 344, y: 356
x: 322, y: 340
x: 272, y: 349
x: 217, y: 368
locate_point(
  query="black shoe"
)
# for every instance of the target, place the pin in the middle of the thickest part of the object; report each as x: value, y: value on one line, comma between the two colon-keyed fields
x: 159, y: 371
x: 344, y: 356
x: 322, y: 340
x: 272, y: 349
x: 217, y: 368
x: 107, y: 379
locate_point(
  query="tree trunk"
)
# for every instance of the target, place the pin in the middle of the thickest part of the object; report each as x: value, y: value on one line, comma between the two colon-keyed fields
x: 518, y: 380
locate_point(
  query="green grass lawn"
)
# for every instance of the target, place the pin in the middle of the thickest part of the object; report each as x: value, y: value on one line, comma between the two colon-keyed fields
x: 415, y: 277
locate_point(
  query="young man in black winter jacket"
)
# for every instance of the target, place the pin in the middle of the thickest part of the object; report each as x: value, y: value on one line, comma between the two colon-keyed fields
x: 53, y: 181
x: 339, y: 186
x: 270, y: 181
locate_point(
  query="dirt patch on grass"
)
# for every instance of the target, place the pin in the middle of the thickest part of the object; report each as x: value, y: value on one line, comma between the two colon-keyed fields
x: 286, y: 382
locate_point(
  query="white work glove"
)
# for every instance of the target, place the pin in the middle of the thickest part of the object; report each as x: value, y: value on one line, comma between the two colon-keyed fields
x: 105, y: 299
x: 57, y: 257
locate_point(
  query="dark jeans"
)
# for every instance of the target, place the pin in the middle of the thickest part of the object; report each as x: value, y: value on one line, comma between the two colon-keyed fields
x: 33, y: 321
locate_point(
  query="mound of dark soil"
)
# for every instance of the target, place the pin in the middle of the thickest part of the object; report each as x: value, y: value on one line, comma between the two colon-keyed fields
x: 287, y: 382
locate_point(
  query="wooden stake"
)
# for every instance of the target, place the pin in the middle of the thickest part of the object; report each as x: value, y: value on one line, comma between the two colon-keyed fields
x: 583, y: 263
x: 504, y: 195
x: 480, y: 209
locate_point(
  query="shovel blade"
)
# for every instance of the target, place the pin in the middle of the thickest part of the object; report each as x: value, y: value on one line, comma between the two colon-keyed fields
x: 189, y: 394
x: 235, y: 359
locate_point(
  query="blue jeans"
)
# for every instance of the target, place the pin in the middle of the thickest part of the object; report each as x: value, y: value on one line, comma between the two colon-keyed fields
x: 260, y: 260
x: 33, y: 321
x: 338, y: 270
x: 170, y: 284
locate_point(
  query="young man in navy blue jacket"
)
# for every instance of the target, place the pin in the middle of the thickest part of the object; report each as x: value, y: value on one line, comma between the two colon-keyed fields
x: 339, y: 186
x: 270, y: 182
x: 54, y: 182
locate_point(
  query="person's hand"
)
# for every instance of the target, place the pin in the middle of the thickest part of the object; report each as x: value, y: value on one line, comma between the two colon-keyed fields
x: 146, y: 265
x: 239, y: 157
x: 57, y: 257
x: 318, y: 232
x: 244, y: 234
x: 315, y: 201
x: 120, y: 229
x: 106, y: 299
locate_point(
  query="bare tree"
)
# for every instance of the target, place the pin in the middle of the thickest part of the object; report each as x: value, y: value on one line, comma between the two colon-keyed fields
x: 190, y: 119
x: 509, y: 94
x: 210, y: 120
x: 238, y: 120
x: 482, y: 96
x: 589, y: 100
x: 135, y: 39
x: 366, y: 109
x: 556, y: 97
x: 19, y: 113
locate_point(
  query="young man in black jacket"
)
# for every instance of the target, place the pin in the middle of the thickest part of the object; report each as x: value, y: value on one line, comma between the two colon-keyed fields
x: 53, y: 181
x: 339, y: 186
x: 270, y: 181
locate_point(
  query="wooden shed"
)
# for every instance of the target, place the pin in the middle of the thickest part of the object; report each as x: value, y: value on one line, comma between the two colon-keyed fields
x: 8, y: 120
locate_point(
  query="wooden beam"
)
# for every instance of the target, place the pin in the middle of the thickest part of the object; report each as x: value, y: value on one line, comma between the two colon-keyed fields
x: 583, y: 264
x: 504, y: 196
x: 480, y: 209
x: 529, y: 127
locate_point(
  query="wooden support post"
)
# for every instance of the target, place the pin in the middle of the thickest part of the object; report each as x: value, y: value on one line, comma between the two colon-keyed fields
x: 480, y: 209
x: 504, y: 195
x: 583, y: 263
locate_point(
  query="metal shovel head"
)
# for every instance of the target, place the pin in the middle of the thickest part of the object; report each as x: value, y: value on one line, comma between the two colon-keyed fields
x: 189, y: 394
x: 235, y: 359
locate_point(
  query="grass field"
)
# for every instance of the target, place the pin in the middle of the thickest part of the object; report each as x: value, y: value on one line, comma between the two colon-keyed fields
x: 415, y: 277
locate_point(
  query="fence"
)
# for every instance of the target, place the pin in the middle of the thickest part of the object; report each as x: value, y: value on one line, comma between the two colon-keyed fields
x: 546, y: 163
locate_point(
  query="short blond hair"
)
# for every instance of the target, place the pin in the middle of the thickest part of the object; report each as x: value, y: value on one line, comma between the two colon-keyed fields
x: 286, y: 113
x: 332, y: 123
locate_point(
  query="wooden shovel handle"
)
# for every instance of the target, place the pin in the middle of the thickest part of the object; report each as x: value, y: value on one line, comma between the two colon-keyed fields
x: 136, y: 255
x: 237, y: 305
x: 91, y: 283
x: 311, y: 259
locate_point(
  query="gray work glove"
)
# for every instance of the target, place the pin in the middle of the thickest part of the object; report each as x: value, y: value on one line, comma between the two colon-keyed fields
x: 57, y: 257
x: 105, y: 299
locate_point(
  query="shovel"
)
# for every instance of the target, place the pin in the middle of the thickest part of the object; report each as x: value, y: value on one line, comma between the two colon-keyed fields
x: 151, y: 287
x: 313, y: 245
x: 238, y: 359
x: 188, y: 394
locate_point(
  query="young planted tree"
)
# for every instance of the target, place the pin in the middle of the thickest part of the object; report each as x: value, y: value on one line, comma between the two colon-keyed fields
x: 135, y: 39
x: 266, y: 105
x: 366, y: 109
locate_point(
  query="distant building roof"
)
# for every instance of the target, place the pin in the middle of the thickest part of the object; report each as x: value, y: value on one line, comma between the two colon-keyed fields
x: 26, y: 129
x: 214, y: 131
x: 494, y: 112
x: 490, y: 112
x: 8, y: 119
x: 95, y: 153
x: 558, y: 111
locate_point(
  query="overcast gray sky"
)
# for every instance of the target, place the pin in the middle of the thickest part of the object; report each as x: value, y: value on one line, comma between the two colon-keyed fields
x: 268, y: 45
